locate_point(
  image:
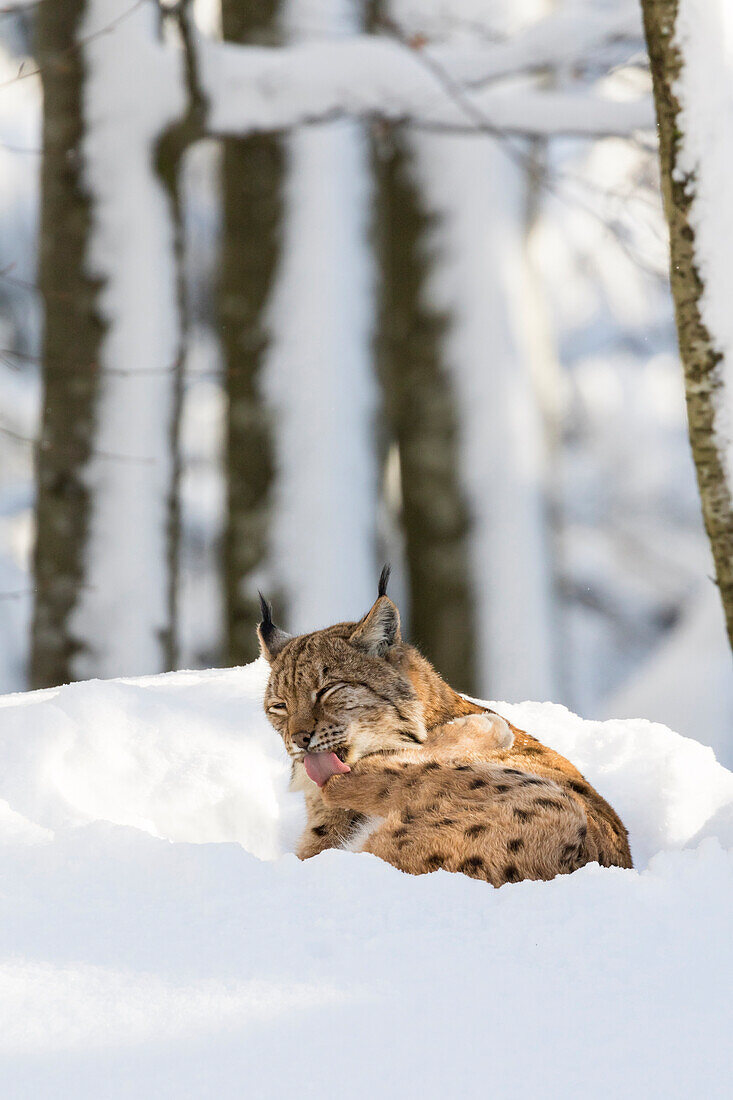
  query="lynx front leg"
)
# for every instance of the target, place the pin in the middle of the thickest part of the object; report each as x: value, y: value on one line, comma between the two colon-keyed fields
x: 327, y: 826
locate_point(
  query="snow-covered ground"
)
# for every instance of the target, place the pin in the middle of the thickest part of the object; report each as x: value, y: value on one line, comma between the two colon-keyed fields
x: 158, y: 938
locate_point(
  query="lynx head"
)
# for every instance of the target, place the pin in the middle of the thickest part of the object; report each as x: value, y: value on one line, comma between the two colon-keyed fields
x: 339, y: 694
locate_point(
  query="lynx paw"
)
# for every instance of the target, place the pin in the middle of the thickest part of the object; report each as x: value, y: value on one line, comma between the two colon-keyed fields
x: 501, y: 731
x: 493, y: 731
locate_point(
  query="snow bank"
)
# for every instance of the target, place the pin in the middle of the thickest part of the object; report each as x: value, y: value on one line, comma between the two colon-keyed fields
x: 183, y: 757
x: 157, y: 936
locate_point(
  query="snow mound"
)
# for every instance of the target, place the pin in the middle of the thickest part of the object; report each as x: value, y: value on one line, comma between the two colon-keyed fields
x: 184, y: 757
x: 157, y: 936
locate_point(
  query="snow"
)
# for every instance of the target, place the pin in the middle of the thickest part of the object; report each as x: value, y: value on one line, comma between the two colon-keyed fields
x: 133, y: 91
x: 483, y: 43
x: 688, y: 679
x: 260, y: 88
x: 202, y: 495
x: 157, y: 936
x: 704, y: 36
x: 185, y: 774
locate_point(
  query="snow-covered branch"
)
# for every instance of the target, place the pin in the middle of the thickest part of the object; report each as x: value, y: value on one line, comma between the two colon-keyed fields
x: 252, y: 88
x: 566, y: 38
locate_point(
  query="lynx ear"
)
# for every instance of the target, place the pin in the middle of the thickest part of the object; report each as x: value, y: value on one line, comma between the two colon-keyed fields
x: 378, y: 630
x: 272, y: 638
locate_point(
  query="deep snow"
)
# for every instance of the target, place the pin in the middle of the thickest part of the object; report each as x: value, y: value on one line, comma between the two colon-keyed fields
x: 158, y: 939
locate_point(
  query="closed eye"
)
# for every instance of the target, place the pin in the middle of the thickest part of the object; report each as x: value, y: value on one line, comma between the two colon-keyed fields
x: 277, y: 708
x: 326, y: 692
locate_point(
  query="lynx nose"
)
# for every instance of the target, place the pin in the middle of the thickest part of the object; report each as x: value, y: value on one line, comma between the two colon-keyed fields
x: 302, y: 738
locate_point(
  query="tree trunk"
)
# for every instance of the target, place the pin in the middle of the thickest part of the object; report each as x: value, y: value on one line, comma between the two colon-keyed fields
x: 252, y: 177
x: 72, y: 334
x: 421, y: 416
x: 700, y: 350
x: 123, y: 613
x: 478, y: 198
x: 170, y: 149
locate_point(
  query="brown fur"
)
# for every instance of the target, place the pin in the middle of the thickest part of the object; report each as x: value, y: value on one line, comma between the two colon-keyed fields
x: 452, y: 784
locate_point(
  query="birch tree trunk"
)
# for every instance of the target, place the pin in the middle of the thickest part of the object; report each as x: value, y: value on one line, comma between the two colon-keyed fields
x: 252, y: 178
x: 72, y: 334
x: 703, y: 348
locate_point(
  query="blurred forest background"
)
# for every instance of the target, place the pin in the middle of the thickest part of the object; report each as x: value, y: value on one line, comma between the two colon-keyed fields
x: 263, y: 328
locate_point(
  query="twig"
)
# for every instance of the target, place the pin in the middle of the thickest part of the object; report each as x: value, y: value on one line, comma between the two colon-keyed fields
x: 78, y: 45
x: 45, y: 445
x: 480, y: 124
x: 21, y: 9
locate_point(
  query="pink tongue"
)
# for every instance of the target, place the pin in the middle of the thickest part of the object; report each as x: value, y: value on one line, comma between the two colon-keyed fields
x: 320, y: 766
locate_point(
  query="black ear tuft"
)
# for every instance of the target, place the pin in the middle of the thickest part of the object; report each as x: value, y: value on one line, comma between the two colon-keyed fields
x: 384, y: 580
x: 379, y: 629
x: 265, y: 610
x: 272, y: 638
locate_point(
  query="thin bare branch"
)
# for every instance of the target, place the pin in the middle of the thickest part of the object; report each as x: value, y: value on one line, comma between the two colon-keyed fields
x: 44, y: 445
x: 76, y: 46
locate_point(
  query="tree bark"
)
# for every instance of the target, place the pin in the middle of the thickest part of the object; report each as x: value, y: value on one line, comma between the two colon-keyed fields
x: 476, y: 195
x: 701, y: 359
x: 252, y: 178
x: 123, y: 611
x: 72, y: 334
x: 421, y: 415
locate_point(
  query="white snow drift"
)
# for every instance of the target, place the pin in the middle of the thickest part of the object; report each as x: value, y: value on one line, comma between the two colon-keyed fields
x: 157, y: 938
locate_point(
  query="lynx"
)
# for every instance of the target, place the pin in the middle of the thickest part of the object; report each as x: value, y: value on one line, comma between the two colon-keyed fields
x: 393, y: 761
